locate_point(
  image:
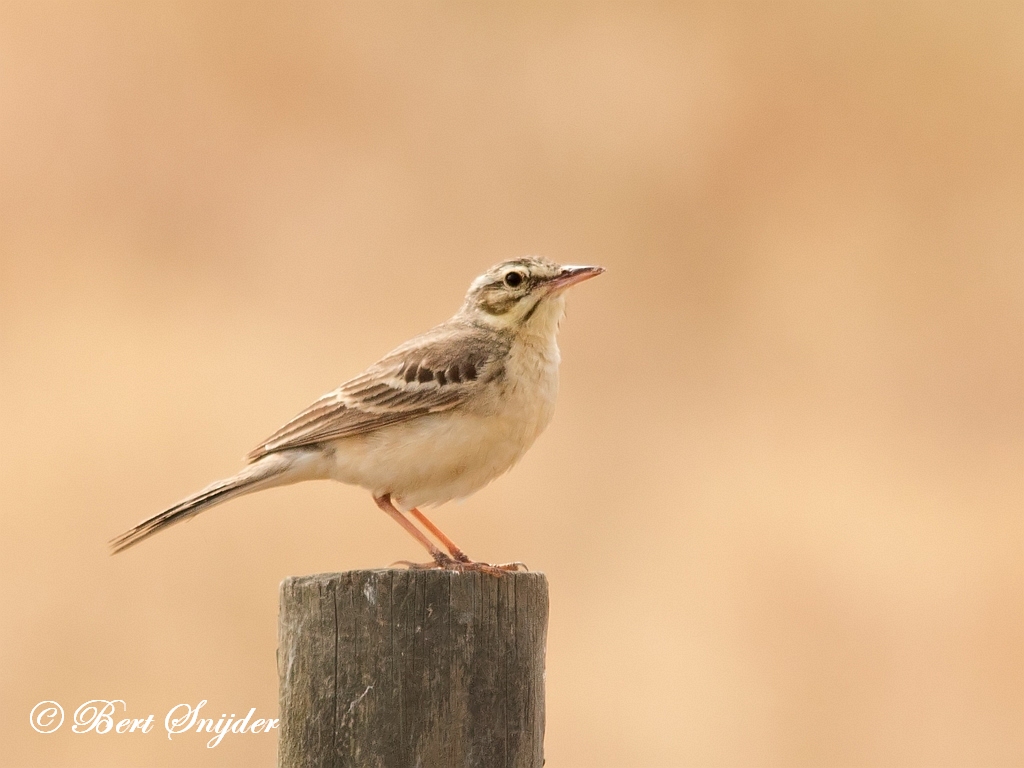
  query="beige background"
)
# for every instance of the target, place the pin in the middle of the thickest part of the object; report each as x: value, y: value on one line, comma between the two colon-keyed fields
x: 780, y: 505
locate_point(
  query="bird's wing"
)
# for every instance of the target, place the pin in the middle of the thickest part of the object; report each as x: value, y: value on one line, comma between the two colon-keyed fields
x: 433, y: 372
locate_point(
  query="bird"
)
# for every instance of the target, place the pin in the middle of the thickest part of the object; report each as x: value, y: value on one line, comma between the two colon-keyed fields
x: 435, y: 419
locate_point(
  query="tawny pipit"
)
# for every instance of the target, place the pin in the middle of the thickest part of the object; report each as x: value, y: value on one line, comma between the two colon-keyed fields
x: 434, y: 420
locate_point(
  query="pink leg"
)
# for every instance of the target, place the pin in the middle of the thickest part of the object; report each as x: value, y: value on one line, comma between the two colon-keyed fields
x: 457, y: 553
x: 441, y: 560
x: 462, y: 562
x: 384, y: 502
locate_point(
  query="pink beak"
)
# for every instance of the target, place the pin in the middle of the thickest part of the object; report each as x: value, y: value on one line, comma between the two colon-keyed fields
x: 570, y: 275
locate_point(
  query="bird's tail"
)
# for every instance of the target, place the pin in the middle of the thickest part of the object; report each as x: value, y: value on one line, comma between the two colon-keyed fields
x: 266, y: 472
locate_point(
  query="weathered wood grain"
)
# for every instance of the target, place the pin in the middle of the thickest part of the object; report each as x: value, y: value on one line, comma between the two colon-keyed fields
x: 397, y: 669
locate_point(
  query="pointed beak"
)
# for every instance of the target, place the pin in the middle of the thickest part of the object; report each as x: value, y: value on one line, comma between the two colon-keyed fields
x: 570, y: 275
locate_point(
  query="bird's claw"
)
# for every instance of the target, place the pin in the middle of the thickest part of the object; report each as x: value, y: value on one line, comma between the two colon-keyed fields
x: 514, y: 567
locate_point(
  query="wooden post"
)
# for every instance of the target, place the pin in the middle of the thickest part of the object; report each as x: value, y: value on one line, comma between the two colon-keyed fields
x: 397, y: 668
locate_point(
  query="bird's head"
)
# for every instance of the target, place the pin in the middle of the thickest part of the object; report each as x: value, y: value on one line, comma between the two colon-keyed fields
x: 523, y: 292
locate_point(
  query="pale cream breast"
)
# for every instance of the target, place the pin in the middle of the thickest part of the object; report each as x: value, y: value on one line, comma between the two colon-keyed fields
x: 449, y: 455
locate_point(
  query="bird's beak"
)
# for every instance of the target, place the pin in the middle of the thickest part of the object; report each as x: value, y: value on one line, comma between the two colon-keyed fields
x: 570, y: 275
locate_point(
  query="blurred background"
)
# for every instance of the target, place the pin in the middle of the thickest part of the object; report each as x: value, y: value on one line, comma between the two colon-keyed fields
x: 780, y: 505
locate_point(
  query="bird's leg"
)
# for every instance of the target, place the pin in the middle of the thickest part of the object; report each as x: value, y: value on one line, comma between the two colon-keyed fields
x: 440, y: 558
x: 450, y: 545
x: 464, y: 563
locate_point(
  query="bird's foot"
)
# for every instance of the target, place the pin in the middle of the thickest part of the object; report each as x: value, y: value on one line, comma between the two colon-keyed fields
x: 496, y: 569
x: 463, y: 565
x: 515, y: 567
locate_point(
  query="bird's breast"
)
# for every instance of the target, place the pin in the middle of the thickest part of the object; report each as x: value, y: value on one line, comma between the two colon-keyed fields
x: 530, y: 384
x: 451, y: 454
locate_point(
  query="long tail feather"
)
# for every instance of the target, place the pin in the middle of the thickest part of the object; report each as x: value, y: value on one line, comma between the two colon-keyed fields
x: 255, y: 477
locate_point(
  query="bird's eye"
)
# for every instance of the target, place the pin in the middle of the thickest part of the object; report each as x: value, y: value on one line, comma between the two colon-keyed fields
x: 514, y: 279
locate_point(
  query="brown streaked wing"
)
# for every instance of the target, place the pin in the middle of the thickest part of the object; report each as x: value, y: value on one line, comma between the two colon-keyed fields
x: 431, y: 373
